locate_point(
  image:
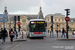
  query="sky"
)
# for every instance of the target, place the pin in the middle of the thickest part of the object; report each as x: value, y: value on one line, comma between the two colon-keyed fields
x: 32, y: 6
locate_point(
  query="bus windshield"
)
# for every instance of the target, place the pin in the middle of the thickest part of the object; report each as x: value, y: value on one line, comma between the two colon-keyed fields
x: 37, y: 27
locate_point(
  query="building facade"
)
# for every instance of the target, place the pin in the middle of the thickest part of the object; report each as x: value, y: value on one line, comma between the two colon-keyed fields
x: 58, y: 18
x: 23, y: 19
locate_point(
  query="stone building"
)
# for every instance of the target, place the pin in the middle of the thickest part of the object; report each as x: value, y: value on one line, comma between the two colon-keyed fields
x: 57, y: 18
x: 23, y: 19
x: 60, y: 19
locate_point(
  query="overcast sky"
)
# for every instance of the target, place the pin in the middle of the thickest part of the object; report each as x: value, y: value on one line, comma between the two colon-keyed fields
x: 32, y: 6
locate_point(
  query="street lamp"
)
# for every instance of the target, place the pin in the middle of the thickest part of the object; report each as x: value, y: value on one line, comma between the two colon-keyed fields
x: 57, y: 29
x: 9, y: 23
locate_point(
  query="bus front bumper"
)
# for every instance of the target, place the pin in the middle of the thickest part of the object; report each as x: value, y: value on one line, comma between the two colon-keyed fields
x: 37, y: 35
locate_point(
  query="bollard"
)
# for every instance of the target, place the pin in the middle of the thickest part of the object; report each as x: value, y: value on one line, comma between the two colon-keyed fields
x: 50, y: 33
x: 22, y: 34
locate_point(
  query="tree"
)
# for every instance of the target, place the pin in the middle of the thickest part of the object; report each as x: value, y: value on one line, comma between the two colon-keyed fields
x: 70, y: 29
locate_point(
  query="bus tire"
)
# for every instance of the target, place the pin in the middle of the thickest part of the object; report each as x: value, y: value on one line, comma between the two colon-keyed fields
x: 42, y: 37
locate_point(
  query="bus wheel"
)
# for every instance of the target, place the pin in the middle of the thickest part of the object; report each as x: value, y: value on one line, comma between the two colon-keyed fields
x: 42, y: 37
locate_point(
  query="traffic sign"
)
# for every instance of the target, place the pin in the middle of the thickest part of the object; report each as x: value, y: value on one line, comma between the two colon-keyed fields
x: 67, y: 18
x: 51, y: 23
x: 18, y: 23
x: 3, y: 18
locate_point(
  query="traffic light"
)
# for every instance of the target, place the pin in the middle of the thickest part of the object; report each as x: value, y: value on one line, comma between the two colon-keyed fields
x: 68, y: 11
x: 45, y: 24
x: 18, y: 18
x: 68, y: 27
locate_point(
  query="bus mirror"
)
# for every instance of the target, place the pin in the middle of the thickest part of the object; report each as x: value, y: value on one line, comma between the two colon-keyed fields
x: 29, y: 25
x: 46, y: 24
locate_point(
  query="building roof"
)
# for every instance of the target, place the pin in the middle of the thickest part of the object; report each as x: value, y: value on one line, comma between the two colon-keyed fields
x: 55, y: 15
x: 72, y: 19
x: 32, y: 16
x: 37, y: 20
x: 11, y: 17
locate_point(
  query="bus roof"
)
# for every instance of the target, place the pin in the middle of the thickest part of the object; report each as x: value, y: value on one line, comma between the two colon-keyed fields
x: 37, y: 20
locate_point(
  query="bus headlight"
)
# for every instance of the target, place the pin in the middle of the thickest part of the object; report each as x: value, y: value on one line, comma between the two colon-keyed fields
x: 43, y: 33
x: 31, y: 32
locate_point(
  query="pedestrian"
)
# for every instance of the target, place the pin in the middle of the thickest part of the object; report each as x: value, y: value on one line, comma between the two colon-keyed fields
x: 57, y: 31
x: 11, y: 34
x: 63, y: 32
x: 15, y: 34
x: 4, y: 34
x: 0, y: 33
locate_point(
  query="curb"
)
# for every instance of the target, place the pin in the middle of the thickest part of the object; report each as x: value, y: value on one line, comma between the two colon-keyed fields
x: 66, y: 39
x: 17, y: 40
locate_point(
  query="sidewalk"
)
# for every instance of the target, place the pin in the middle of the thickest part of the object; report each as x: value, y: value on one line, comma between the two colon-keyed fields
x: 14, y: 40
x: 19, y: 39
x: 7, y: 44
x: 71, y: 38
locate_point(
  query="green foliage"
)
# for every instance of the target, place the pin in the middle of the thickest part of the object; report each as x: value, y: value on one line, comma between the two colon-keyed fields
x: 70, y: 29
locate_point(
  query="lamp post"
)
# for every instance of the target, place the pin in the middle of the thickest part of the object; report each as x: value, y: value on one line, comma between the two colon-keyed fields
x: 57, y: 29
x: 9, y: 23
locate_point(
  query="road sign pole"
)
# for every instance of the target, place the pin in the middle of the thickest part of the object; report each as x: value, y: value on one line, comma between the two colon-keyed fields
x: 52, y: 26
x: 19, y: 25
x: 15, y: 26
x: 67, y: 29
x: 57, y: 28
x: 67, y: 13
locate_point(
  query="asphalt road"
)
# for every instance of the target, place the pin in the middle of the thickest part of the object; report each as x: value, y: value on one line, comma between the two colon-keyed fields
x: 44, y: 44
x: 7, y: 45
x: 39, y: 44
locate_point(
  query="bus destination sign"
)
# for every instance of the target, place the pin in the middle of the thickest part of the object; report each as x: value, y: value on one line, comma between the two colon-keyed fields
x: 37, y: 22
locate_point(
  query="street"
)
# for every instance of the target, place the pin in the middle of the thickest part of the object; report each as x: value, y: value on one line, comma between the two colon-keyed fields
x: 39, y: 44
x: 52, y: 20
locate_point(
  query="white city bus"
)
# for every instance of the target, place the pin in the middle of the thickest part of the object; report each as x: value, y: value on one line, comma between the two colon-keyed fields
x: 36, y: 28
